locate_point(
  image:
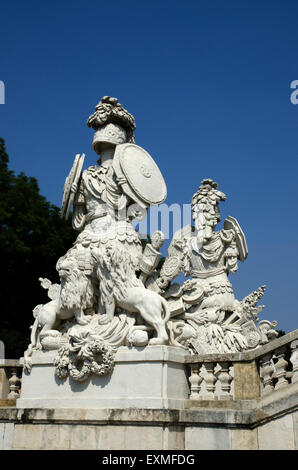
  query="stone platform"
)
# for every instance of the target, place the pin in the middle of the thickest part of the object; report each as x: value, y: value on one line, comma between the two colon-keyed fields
x: 152, y: 377
x: 66, y: 415
x: 266, y: 424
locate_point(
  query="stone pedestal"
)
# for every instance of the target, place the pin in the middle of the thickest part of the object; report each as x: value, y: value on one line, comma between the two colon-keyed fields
x: 153, y: 377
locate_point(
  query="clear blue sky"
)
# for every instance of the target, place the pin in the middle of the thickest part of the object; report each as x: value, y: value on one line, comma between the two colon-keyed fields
x: 209, y: 85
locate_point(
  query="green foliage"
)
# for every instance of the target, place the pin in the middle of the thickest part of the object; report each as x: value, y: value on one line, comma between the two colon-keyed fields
x: 32, y: 238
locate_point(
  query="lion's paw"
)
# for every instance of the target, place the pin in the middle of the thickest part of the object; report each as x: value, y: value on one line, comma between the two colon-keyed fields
x: 85, y: 320
x: 104, y: 319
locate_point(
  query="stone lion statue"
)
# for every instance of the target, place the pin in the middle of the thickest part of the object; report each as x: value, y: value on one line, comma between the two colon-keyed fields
x: 76, y: 295
x: 119, y: 287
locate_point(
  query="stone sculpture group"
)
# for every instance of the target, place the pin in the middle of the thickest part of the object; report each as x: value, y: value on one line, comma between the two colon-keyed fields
x: 115, y: 293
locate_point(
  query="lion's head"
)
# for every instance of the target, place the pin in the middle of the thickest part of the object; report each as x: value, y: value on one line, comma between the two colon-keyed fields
x: 77, y: 290
x: 67, y: 267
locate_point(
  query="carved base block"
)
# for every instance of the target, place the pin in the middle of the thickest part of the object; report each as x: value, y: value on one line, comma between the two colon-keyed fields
x: 151, y: 377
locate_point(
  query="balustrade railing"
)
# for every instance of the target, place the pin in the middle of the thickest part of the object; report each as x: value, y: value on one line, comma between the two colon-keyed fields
x: 211, y: 381
x: 247, y: 375
x: 10, y: 379
x: 279, y: 368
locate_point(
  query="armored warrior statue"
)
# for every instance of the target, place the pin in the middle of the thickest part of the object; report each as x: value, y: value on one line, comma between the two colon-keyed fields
x: 101, y: 207
x: 98, y: 274
x: 109, y: 196
x: 205, y: 314
x: 211, y: 256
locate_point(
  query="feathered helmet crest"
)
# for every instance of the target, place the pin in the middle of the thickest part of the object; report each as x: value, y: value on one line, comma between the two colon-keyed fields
x: 206, y: 199
x: 109, y: 110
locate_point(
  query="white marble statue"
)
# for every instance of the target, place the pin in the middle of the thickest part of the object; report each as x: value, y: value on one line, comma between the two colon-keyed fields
x: 98, y: 274
x: 113, y: 293
x: 205, y: 315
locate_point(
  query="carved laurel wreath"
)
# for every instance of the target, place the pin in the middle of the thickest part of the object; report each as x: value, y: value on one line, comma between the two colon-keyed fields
x: 82, y: 356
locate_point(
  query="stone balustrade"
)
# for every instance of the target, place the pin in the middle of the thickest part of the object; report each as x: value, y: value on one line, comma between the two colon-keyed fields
x: 247, y: 375
x: 211, y: 380
x: 10, y: 380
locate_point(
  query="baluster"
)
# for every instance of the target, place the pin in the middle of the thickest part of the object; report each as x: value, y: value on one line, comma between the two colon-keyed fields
x: 225, y: 380
x: 195, y: 382
x: 209, y: 380
x: 294, y: 360
x: 14, y: 384
x: 280, y: 369
x: 267, y: 370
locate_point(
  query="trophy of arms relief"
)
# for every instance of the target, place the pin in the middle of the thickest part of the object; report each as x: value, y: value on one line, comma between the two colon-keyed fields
x: 205, y: 315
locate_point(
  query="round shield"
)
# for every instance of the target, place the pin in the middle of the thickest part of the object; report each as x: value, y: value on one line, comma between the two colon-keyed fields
x: 141, y: 174
x: 171, y: 267
x: 72, y: 178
